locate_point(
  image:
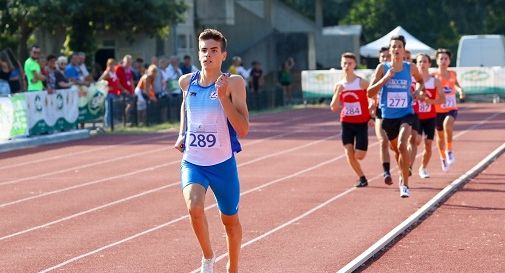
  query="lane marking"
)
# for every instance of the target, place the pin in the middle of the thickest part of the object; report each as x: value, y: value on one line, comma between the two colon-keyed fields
x: 211, y: 206
x: 430, y: 205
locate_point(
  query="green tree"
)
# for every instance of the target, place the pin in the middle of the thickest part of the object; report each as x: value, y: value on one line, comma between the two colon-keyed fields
x: 82, y: 19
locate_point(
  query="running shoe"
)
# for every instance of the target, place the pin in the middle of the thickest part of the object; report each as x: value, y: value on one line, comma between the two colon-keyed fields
x: 450, y: 157
x: 208, y: 265
x: 445, y: 166
x: 361, y: 183
x: 404, y: 191
x: 387, y: 178
x: 423, y: 173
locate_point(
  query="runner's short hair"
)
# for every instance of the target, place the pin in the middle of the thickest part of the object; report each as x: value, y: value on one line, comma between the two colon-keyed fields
x: 443, y: 51
x: 398, y: 38
x: 384, y: 48
x: 212, y: 34
x: 424, y: 55
x: 349, y: 55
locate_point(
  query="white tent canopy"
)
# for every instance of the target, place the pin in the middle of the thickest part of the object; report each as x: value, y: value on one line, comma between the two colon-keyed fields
x: 415, y: 46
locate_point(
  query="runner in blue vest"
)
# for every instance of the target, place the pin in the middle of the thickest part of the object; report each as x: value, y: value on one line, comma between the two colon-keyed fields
x: 393, y: 80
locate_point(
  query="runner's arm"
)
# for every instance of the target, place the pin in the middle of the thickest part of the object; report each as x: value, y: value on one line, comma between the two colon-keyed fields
x: 234, y: 103
x: 419, y: 82
x: 335, y: 100
x: 378, y: 80
x: 440, y: 94
x: 183, y: 84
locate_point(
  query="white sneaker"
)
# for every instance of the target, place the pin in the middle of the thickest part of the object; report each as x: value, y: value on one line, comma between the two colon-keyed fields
x: 450, y: 157
x: 423, y: 173
x: 208, y: 265
x: 445, y: 166
x: 404, y: 192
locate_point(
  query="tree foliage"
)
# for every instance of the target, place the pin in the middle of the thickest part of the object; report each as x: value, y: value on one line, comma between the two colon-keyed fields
x: 439, y: 23
x: 82, y: 19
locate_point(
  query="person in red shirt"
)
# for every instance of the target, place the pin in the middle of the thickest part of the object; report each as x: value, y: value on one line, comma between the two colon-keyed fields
x: 125, y: 75
x: 351, y: 94
x: 425, y: 110
x: 115, y: 89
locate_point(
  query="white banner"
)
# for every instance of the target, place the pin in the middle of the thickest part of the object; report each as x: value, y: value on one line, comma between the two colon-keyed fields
x: 6, y: 117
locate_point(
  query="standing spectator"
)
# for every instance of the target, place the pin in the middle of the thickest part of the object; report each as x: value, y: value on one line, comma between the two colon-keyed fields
x: 125, y: 76
x: 236, y: 68
x: 17, y: 81
x: 73, y: 70
x: 137, y: 70
x: 51, y: 76
x: 145, y: 92
x: 186, y: 66
x: 5, y: 71
x: 256, y: 77
x: 158, y: 84
x: 172, y: 74
x: 84, y: 70
x: 286, y: 79
x: 33, y: 71
x: 59, y: 74
x: 115, y: 88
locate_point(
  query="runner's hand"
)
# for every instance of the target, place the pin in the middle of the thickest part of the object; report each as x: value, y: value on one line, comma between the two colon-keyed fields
x: 179, y: 144
x: 222, y: 85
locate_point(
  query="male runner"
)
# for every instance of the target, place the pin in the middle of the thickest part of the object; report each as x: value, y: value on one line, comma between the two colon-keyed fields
x: 213, y: 113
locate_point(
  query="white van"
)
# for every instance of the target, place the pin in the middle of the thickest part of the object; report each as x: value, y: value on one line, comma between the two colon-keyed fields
x: 481, y: 50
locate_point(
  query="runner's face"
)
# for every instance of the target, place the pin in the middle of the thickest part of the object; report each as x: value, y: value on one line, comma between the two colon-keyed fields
x: 347, y: 64
x: 210, y: 54
x: 443, y: 60
x: 397, y: 50
x: 423, y: 63
x: 384, y: 57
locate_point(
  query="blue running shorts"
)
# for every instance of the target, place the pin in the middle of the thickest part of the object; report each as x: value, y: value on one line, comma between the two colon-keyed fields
x: 222, y: 179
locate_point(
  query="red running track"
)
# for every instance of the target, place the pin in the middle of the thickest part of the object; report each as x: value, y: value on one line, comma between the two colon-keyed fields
x: 113, y: 203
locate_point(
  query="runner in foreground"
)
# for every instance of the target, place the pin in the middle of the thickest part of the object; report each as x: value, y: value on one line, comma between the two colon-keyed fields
x: 213, y: 113
x: 350, y: 92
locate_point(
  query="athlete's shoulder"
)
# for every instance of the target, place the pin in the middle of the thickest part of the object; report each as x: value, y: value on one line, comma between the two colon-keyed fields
x: 236, y: 80
x: 184, y: 81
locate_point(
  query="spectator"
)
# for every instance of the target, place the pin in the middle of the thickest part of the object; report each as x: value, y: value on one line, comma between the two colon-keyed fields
x: 85, y: 76
x: 137, y: 70
x: 172, y: 75
x: 51, y: 76
x: 59, y: 74
x: 186, y: 66
x: 5, y: 71
x: 17, y: 77
x: 256, y: 77
x: 286, y: 79
x: 145, y: 92
x: 115, y: 89
x: 73, y: 70
x: 237, y: 68
x: 33, y: 71
x: 125, y: 76
x: 159, y: 84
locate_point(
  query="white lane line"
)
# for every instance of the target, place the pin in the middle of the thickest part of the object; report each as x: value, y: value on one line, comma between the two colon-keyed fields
x: 154, y: 168
x: 96, y: 163
x: 429, y: 206
x: 45, y: 159
x: 9, y: 182
x: 211, y: 206
x: 186, y: 216
x: 143, y: 193
x: 332, y: 199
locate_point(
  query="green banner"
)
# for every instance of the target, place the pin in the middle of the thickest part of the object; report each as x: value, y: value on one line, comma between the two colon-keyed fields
x: 20, y: 116
x: 92, y: 101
